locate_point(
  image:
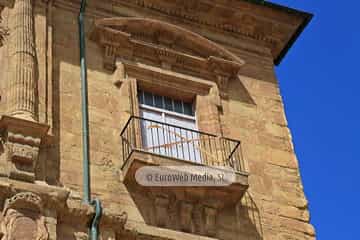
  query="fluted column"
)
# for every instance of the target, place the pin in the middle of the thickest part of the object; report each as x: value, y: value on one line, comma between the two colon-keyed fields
x: 2, y: 29
x: 22, y: 82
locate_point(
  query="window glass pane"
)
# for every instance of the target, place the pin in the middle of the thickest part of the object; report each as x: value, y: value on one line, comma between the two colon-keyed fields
x: 159, y: 101
x: 178, y: 106
x: 141, y: 97
x: 162, y: 102
x: 188, y: 109
x: 149, y: 99
x: 168, y: 104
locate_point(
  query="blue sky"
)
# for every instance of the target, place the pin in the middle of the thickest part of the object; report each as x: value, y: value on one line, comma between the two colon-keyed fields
x: 320, y: 84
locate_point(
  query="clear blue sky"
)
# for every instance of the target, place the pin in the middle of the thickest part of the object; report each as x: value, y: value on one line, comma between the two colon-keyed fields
x: 320, y: 84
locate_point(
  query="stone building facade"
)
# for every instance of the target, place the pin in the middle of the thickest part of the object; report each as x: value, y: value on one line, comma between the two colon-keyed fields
x: 200, y: 72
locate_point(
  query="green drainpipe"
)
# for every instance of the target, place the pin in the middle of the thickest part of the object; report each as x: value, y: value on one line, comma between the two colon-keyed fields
x: 85, y: 130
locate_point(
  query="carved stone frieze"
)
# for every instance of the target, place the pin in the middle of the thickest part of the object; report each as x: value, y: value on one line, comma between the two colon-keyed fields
x: 235, y: 18
x: 22, y: 218
x: 179, y: 211
x: 167, y: 46
x: 22, y: 152
x: 22, y: 141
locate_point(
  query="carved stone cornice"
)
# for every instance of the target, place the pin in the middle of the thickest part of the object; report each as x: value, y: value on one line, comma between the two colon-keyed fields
x: 271, y: 25
x: 165, y: 45
x: 22, y: 140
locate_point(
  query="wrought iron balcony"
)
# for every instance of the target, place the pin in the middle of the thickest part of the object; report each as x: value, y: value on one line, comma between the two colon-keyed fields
x: 148, y: 144
x: 176, y: 142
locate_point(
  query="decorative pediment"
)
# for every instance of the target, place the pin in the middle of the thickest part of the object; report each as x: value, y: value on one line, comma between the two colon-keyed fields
x: 163, y: 44
x: 264, y: 23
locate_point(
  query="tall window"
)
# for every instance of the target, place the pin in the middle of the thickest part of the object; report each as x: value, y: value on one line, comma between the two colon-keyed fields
x: 169, y: 126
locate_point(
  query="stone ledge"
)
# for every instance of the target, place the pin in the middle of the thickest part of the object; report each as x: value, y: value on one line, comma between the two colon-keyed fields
x: 137, y: 229
x: 53, y: 196
x: 83, y: 213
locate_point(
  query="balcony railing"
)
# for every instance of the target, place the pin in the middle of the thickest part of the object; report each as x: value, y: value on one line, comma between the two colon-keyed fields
x: 180, y: 143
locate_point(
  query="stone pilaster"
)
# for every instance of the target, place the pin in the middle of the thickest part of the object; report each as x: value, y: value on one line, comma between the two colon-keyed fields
x: 22, y: 82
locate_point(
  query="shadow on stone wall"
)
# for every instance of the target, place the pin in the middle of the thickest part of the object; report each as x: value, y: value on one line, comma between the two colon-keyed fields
x: 239, y: 222
x: 66, y: 99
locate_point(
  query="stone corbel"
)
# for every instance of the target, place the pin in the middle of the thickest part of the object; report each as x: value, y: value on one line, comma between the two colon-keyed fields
x: 186, y: 219
x: 223, y: 82
x: 109, y: 57
x: 22, y: 140
x: 23, y: 218
x: 210, y: 221
x: 161, y: 208
x: 119, y: 75
x: 215, y: 95
x: 224, y: 72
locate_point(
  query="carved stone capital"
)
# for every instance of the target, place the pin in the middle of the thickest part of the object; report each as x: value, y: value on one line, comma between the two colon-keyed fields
x: 22, y: 218
x: 4, y: 31
x: 22, y: 141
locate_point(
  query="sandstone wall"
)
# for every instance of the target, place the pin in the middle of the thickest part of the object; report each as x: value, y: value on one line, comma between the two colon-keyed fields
x: 274, y: 207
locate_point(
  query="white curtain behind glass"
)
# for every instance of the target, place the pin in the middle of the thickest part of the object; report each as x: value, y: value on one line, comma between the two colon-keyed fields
x: 167, y: 140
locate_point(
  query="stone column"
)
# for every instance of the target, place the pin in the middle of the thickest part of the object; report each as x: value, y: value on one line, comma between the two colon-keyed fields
x: 22, y: 83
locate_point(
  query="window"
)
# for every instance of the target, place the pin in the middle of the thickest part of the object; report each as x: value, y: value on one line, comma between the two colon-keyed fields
x: 168, y: 127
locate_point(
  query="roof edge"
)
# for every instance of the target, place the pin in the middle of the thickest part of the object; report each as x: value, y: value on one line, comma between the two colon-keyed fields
x: 306, y: 20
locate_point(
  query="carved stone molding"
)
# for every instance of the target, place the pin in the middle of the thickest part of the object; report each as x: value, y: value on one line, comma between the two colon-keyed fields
x: 272, y: 27
x: 180, y: 211
x: 22, y: 218
x: 165, y: 45
x: 4, y: 31
x: 22, y: 141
